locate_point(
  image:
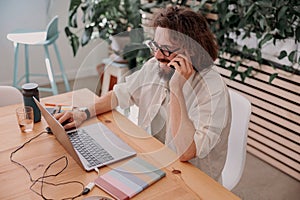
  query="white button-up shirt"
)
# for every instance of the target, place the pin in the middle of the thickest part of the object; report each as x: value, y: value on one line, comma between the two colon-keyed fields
x: 207, y: 102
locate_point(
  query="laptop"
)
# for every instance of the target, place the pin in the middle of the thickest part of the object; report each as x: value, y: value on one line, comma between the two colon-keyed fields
x: 90, y: 146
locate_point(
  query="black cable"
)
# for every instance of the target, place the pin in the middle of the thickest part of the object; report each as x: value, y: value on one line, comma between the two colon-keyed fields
x: 44, y: 176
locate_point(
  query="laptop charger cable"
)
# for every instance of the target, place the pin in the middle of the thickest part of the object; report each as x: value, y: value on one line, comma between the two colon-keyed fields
x: 45, y: 175
x: 88, y: 187
x: 48, y: 130
x: 91, y: 185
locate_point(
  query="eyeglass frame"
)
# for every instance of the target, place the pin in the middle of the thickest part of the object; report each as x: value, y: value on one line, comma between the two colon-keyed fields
x: 155, y: 47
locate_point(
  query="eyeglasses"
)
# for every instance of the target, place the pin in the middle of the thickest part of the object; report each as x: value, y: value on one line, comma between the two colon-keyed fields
x: 163, y: 49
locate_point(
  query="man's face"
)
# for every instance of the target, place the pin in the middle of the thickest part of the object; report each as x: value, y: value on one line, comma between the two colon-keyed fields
x: 165, y: 52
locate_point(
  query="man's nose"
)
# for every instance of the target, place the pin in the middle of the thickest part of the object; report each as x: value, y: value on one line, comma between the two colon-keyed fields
x: 158, y: 54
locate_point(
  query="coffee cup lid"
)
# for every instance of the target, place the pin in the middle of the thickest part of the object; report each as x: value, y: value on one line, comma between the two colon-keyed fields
x: 29, y: 86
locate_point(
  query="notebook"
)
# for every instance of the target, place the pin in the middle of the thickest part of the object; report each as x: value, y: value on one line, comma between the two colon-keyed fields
x: 130, y: 178
x: 90, y: 146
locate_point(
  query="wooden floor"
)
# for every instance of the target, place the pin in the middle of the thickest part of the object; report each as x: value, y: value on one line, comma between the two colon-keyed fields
x: 260, y: 181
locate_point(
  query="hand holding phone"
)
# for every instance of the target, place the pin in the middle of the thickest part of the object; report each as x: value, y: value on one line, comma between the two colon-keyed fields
x: 181, y: 62
x: 183, y: 70
x: 172, y: 66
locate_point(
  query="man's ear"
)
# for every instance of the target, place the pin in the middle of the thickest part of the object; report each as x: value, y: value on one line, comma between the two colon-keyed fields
x: 190, y: 52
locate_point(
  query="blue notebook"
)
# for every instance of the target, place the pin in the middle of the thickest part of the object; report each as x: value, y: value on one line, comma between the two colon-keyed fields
x: 129, y: 179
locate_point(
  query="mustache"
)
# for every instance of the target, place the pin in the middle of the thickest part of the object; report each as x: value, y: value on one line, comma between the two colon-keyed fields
x: 167, y: 61
x: 164, y: 60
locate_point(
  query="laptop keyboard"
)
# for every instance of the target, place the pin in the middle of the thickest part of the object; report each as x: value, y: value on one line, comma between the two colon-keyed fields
x: 89, y: 148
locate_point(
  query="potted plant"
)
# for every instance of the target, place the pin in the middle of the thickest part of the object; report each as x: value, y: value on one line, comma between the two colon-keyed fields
x: 106, y: 19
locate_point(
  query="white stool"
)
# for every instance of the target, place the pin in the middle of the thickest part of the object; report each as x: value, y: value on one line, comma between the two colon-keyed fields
x: 44, y: 38
x: 118, y: 70
x: 111, y: 68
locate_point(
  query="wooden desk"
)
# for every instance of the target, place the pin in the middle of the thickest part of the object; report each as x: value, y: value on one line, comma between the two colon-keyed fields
x: 15, y: 183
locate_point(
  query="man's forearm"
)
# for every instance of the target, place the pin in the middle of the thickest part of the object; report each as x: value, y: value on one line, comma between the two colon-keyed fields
x: 104, y: 104
x: 182, y: 128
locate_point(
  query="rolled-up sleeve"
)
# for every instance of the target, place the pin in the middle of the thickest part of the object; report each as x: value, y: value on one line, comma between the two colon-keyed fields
x: 124, y: 91
x: 210, y: 117
x: 128, y: 92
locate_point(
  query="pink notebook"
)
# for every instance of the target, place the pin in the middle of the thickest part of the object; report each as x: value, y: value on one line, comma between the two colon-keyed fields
x: 129, y: 179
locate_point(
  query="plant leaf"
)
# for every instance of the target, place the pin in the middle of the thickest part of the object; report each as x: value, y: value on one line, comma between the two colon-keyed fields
x: 282, y: 12
x: 282, y: 54
x: 298, y: 34
x: 237, y: 64
x: 265, y: 39
x: 272, y: 77
x: 86, y: 35
x: 72, y: 20
x: 233, y: 74
x: 243, y: 76
x: 258, y: 56
x: 262, y: 23
x: 250, y: 11
x: 248, y: 71
x: 264, y: 4
x: 222, y: 62
x: 292, y: 56
x: 73, y: 39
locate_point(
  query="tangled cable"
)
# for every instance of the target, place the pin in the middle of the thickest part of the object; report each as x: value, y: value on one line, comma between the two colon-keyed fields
x: 44, y: 176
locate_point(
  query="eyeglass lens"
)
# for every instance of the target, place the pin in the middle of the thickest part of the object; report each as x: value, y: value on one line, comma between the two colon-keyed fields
x: 164, y: 50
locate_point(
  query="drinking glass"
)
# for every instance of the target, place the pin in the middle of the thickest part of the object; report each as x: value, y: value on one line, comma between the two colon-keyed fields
x: 25, y: 118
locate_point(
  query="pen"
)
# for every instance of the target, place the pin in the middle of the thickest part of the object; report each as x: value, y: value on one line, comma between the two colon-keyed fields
x: 52, y: 104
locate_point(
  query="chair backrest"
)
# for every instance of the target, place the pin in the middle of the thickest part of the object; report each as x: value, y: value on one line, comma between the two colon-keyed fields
x: 237, y: 140
x: 10, y: 95
x: 52, y: 28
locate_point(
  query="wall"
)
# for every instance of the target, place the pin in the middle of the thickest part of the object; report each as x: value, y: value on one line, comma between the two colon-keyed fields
x: 35, y: 15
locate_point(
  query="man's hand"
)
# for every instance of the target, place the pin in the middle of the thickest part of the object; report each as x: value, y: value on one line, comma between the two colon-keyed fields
x: 183, y: 71
x: 71, y: 119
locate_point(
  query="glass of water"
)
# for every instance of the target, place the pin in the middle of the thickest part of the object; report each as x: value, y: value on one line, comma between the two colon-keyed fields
x: 25, y: 118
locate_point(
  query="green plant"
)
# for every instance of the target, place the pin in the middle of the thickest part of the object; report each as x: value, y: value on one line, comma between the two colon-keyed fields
x: 268, y: 20
x: 106, y: 18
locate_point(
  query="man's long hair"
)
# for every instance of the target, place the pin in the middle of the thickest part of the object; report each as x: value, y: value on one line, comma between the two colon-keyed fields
x: 191, y: 31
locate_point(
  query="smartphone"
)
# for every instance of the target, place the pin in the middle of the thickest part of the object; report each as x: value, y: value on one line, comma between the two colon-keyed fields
x: 174, y: 68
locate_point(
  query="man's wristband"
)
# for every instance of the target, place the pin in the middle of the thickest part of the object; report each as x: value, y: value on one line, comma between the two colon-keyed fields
x: 87, y: 112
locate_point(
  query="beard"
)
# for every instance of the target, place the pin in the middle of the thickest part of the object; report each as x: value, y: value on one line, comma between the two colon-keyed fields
x: 165, y: 74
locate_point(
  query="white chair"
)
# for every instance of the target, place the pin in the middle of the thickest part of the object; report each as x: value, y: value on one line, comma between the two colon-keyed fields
x: 10, y: 95
x: 237, y: 141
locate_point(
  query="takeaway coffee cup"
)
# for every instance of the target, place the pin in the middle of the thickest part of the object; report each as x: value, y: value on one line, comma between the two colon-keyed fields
x: 30, y: 90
